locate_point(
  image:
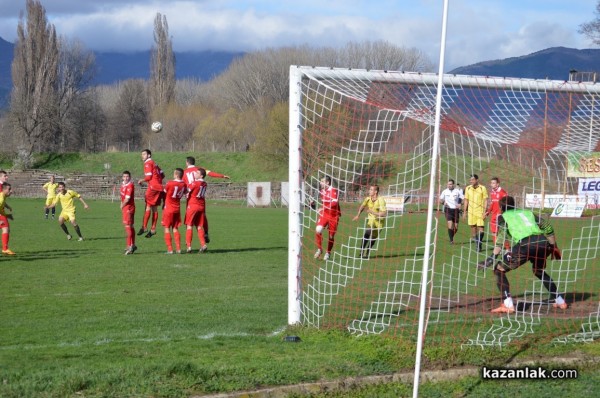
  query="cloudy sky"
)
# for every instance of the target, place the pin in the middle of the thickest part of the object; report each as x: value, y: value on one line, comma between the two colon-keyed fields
x: 478, y: 30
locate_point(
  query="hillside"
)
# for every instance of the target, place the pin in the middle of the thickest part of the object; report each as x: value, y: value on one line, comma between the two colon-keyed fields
x: 552, y: 63
x: 240, y: 166
x: 114, y: 66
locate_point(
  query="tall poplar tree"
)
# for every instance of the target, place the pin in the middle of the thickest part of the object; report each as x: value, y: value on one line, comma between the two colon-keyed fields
x: 162, y: 65
x: 35, y: 78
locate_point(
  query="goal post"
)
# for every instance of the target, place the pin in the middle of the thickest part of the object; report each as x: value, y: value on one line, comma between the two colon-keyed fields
x: 363, y: 128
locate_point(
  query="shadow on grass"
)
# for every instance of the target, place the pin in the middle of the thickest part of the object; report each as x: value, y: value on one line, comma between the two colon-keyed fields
x: 246, y: 249
x: 47, y: 255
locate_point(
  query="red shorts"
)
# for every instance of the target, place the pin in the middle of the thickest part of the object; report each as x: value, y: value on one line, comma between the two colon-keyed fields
x: 194, y: 217
x: 128, y: 215
x: 3, y: 222
x: 153, y: 197
x: 494, y: 222
x: 171, y: 220
x: 329, y: 221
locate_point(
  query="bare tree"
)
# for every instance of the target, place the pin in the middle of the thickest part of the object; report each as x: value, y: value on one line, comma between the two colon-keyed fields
x: 262, y: 78
x: 162, y: 65
x: 592, y: 29
x: 76, y: 71
x: 130, y: 118
x: 35, y: 76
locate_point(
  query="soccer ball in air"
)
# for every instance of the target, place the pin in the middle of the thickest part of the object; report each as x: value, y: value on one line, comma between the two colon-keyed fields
x: 157, y: 127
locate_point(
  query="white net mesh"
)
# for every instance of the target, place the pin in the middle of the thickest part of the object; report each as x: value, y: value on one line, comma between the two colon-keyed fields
x: 364, y: 128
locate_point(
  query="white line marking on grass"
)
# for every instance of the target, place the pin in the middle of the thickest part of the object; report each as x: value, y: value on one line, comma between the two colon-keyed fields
x: 106, y: 341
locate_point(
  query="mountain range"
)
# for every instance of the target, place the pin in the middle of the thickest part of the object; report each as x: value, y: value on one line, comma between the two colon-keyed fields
x: 553, y: 63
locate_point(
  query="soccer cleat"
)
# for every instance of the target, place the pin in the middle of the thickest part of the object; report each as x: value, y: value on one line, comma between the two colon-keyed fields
x: 169, y: 252
x: 503, y: 309
x: 150, y: 234
x: 133, y: 248
x: 326, y: 256
x: 365, y: 253
x: 69, y: 237
x: 189, y: 250
x: 206, y: 238
x: 80, y: 239
x: 8, y: 252
x: 562, y: 306
x: 203, y: 249
x: 318, y: 253
x: 142, y: 231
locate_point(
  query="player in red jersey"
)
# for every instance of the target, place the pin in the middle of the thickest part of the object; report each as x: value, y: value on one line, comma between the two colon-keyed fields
x: 190, y: 169
x: 127, y: 192
x: 496, y: 193
x: 194, y: 214
x: 153, y: 176
x: 171, y: 219
x: 329, y: 215
x: 5, y: 192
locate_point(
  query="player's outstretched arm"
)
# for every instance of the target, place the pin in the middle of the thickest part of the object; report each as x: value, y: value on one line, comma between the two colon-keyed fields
x: 85, y: 205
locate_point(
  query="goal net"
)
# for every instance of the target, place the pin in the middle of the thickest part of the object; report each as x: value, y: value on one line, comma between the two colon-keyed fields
x: 361, y: 128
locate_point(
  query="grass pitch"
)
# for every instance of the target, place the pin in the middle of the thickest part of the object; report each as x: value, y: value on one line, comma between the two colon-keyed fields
x: 82, y: 319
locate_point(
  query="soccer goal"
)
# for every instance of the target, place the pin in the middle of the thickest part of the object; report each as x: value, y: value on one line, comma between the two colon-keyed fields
x: 360, y: 128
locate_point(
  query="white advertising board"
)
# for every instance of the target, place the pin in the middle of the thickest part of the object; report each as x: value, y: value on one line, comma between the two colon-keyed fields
x: 551, y: 200
x: 394, y: 203
x: 259, y: 194
x: 568, y: 209
x: 285, y: 193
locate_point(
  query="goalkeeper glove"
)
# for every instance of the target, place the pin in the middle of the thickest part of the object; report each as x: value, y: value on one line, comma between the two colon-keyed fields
x: 487, y: 263
x: 556, y: 253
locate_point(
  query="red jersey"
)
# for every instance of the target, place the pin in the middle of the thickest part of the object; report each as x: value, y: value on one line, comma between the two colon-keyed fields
x: 495, y: 196
x: 127, y: 194
x: 174, y: 191
x: 329, y: 198
x: 188, y: 174
x: 196, y: 193
x: 153, y: 175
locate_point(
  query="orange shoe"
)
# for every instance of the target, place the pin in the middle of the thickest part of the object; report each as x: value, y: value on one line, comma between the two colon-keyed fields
x: 503, y: 309
x: 8, y: 252
x: 562, y: 306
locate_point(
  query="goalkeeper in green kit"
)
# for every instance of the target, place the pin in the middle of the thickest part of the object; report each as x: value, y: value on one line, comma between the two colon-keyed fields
x: 532, y: 239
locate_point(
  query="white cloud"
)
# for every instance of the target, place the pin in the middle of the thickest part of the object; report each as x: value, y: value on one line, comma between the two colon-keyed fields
x: 477, y: 30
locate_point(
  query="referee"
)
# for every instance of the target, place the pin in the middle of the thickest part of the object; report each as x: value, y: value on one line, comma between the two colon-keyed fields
x: 451, y: 198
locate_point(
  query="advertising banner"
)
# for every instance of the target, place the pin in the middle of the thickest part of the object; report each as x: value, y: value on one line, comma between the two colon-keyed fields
x: 583, y: 164
x: 568, y: 209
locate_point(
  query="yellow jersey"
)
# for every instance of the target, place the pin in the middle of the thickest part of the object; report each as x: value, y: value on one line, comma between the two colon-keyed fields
x: 66, y: 200
x: 2, y: 202
x: 377, y: 205
x: 477, y: 198
x: 50, y: 187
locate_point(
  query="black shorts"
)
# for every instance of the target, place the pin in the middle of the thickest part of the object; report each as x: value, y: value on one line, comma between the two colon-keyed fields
x: 535, y: 248
x: 452, y: 214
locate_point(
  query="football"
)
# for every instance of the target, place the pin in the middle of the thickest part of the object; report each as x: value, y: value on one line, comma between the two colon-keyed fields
x: 157, y: 127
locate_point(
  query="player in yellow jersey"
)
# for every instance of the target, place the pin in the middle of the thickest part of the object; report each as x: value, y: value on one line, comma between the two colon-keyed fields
x: 4, y: 217
x: 475, y: 203
x: 50, y: 188
x: 66, y: 198
x: 376, y: 212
